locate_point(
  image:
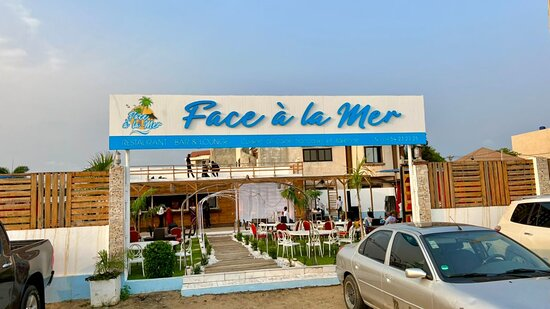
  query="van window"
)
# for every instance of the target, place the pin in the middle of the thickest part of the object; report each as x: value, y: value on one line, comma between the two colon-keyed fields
x: 521, y: 213
x: 542, y: 218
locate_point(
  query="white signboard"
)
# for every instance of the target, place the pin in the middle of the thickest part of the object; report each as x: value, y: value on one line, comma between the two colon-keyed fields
x: 195, y: 121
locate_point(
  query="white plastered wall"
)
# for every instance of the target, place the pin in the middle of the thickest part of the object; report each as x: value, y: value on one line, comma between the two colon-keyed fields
x: 75, y: 248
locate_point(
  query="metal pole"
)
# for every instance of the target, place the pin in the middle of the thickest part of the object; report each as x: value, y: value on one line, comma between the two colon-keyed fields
x: 126, y: 205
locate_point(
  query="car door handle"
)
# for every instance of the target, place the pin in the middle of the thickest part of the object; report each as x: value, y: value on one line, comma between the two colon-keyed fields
x: 388, y: 277
x: 528, y: 234
x: 6, y: 265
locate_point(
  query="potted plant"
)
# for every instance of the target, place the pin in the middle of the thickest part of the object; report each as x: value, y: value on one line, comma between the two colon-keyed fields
x: 105, y: 282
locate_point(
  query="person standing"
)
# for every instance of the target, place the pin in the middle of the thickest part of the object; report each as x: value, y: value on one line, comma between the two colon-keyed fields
x: 284, y: 217
x: 204, y: 169
x: 215, y: 169
x: 339, y: 205
x: 189, y: 167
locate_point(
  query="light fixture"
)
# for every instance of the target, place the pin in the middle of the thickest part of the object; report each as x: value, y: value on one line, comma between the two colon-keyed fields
x: 117, y: 158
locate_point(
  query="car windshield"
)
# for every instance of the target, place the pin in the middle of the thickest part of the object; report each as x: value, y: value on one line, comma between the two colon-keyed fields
x: 466, y: 256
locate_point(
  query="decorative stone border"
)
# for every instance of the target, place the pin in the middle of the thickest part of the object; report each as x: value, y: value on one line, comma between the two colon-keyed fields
x: 259, y: 280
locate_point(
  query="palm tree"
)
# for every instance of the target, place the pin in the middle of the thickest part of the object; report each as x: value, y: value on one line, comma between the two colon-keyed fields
x: 355, y: 181
x: 145, y: 102
x: 100, y: 162
x: 139, y: 205
x: 18, y: 170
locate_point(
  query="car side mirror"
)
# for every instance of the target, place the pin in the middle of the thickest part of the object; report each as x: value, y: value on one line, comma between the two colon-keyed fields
x: 415, y: 273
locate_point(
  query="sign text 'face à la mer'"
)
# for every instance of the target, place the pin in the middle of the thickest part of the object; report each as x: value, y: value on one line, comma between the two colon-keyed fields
x: 191, y: 122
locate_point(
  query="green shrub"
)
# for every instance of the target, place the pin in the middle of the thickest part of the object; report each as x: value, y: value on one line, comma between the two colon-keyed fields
x: 239, y: 236
x: 159, y: 260
x: 246, y: 239
x: 125, y: 292
x: 197, y: 269
x: 273, y: 253
x: 204, y: 260
x: 254, y: 244
x: 208, y: 249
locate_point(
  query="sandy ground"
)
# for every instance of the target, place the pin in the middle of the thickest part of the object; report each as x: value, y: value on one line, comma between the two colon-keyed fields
x: 317, y: 297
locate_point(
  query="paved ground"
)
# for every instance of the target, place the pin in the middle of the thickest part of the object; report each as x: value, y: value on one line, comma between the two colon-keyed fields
x: 305, y: 298
x: 233, y: 256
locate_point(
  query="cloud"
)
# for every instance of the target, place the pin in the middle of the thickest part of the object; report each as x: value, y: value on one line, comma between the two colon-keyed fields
x: 55, y: 60
x: 24, y: 15
x: 11, y: 56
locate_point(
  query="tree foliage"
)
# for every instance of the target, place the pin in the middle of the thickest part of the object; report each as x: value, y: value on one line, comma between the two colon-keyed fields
x: 18, y: 170
x: 139, y: 205
x: 100, y: 162
x: 508, y: 151
x: 431, y: 155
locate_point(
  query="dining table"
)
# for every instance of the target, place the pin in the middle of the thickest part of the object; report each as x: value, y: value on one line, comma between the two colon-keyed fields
x: 144, y: 244
x: 306, y: 233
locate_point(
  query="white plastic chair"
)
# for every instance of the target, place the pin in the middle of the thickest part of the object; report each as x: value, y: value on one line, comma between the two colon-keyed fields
x: 349, y: 238
x: 185, y: 251
x: 314, y: 241
x: 135, y: 256
x: 332, y: 240
x: 289, y: 243
x: 280, y: 237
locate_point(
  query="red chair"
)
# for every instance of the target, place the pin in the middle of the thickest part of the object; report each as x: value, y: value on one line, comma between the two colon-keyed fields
x: 281, y: 227
x: 176, y: 231
x: 132, y: 228
x: 307, y: 225
x: 134, y: 236
x: 329, y: 226
x: 255, y: 232
x: 345, y: 233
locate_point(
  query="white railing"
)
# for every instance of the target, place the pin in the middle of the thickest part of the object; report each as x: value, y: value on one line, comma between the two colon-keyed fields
x: 180, y: 172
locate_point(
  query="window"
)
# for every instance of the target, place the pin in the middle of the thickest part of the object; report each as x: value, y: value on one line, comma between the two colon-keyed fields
x: 521, y: 213
x: 405, y: 253
x: 318, y: 155
x: 543, y: 215
x: 373, y: 154
x: 376, y: 245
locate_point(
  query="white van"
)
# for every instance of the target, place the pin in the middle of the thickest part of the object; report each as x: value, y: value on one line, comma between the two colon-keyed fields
x: 527, y: 221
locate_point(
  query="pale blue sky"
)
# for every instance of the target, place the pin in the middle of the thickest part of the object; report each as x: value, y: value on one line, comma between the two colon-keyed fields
x: 482, y: 66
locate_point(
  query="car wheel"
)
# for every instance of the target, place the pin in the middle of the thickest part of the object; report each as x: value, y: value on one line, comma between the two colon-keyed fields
x: 352, y: 296
x: 31, y: 298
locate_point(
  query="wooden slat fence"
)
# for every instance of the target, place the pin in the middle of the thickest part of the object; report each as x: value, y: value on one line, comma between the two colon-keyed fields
x: 50, y: 200
x: 485, y: 183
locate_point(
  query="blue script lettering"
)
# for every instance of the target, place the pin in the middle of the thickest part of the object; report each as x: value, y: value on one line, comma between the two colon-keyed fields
x: 315, y: 119
x: 350, y: 115
x: 216, y: 119
x: 139, y: 121
x: 280, y: 118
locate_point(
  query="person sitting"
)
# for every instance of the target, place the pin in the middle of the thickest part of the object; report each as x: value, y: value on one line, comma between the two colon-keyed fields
x: 390, y: 219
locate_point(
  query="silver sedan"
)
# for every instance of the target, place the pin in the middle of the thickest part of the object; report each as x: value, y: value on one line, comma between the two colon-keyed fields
x: 441, y: 265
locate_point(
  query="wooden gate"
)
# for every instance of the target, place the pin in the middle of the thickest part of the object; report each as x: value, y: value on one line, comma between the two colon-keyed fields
x: 50, y: 200
x: 485, y: 183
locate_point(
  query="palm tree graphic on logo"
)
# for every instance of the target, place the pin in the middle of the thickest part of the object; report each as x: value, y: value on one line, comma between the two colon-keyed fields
x: 141, y: 118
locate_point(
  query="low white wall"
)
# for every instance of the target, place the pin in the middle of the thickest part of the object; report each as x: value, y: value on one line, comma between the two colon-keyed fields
x: 75, y: 248
x: 482, y: 216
